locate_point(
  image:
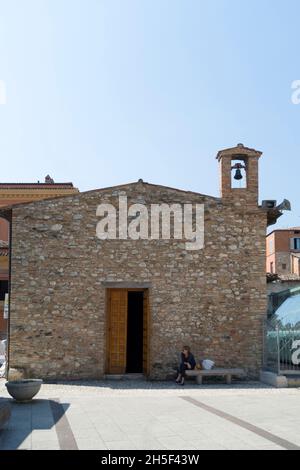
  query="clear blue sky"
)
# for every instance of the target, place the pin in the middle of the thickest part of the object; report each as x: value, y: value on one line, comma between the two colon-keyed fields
x: 103, y: 92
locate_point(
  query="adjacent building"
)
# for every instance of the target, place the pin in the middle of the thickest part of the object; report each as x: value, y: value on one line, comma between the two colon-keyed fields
x: 16, y: 193
x: 84, y: 305
x: 283, y: 252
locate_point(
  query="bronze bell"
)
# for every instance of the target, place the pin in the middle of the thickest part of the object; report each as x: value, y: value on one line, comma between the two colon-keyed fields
x: 238, y: 175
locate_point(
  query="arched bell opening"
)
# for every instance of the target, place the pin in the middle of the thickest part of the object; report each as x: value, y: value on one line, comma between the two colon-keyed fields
x: 238, y: 173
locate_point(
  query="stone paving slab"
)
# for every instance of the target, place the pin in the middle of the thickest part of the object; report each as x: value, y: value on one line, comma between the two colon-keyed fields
x: 144, y: 415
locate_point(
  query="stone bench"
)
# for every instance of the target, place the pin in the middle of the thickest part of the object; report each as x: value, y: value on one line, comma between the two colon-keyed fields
x: 5, y: 412
x: 228, y: 373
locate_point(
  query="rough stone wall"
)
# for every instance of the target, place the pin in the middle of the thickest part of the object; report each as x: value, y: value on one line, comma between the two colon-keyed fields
x: 283, y: 258
x: 213, y: 299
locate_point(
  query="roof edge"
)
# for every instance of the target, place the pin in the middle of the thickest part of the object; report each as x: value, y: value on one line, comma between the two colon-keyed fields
x: 240, y: 149
x: 140, y: 182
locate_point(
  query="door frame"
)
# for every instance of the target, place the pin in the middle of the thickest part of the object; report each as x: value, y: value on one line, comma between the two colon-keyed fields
x: 107, y: 324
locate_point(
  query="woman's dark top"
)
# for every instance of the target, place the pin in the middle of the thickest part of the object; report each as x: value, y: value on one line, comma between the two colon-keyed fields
x: 190, y: 359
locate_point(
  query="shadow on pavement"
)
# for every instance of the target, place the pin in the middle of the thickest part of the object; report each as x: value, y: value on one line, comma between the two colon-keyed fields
x: 27, y: 418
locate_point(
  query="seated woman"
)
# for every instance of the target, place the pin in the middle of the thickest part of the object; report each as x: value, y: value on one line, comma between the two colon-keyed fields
x: 187, y: 363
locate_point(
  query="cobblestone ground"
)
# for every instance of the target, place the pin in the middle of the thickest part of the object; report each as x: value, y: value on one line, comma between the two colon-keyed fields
x: 154, y: 415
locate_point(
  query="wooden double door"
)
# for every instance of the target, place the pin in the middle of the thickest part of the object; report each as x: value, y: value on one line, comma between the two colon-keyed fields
x: 127, y: 333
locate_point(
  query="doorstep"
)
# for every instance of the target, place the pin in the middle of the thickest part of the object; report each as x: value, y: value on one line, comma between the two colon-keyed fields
x: 125, y: 377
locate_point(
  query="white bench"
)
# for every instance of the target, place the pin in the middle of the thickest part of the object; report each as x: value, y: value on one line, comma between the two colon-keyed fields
x: 228, y: 373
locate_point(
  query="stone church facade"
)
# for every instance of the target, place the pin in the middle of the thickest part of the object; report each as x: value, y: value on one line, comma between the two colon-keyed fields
x: 84, y: 307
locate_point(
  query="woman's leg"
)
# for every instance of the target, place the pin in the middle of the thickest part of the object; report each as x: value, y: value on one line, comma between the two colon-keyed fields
x: 181, y: 372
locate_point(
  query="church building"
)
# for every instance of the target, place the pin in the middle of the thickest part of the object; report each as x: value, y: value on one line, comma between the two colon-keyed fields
x: 107, y: 282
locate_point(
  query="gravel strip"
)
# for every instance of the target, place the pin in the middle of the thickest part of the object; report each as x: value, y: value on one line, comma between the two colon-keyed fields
x: 149, y: 388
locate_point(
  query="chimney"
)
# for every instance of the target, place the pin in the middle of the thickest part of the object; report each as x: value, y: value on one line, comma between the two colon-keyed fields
x: 49, y: 180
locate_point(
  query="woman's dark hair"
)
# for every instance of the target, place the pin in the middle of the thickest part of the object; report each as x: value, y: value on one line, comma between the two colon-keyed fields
x: 187, y: 348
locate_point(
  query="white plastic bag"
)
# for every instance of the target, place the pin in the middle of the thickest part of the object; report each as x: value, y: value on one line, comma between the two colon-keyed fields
x: 2, y: 369
x: 207, y: 364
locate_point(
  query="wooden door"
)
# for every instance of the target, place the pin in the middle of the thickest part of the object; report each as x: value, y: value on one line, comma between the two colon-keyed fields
x: 117, y: 334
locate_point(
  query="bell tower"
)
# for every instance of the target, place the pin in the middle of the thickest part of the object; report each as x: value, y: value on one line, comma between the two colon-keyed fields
x: 239, y: 174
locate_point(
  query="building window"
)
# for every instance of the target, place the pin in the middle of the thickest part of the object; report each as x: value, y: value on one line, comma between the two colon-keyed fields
x: 3, y: 289
x: 272, y: 267
x: 284, y: 266
x: 271, y: 245
x: 295, y: 243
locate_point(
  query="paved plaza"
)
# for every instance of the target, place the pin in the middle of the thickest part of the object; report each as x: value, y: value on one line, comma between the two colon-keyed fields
x: 150, y: 415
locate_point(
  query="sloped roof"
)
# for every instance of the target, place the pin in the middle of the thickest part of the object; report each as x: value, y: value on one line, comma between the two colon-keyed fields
x: 140, y: 183
x: 240, y: 149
